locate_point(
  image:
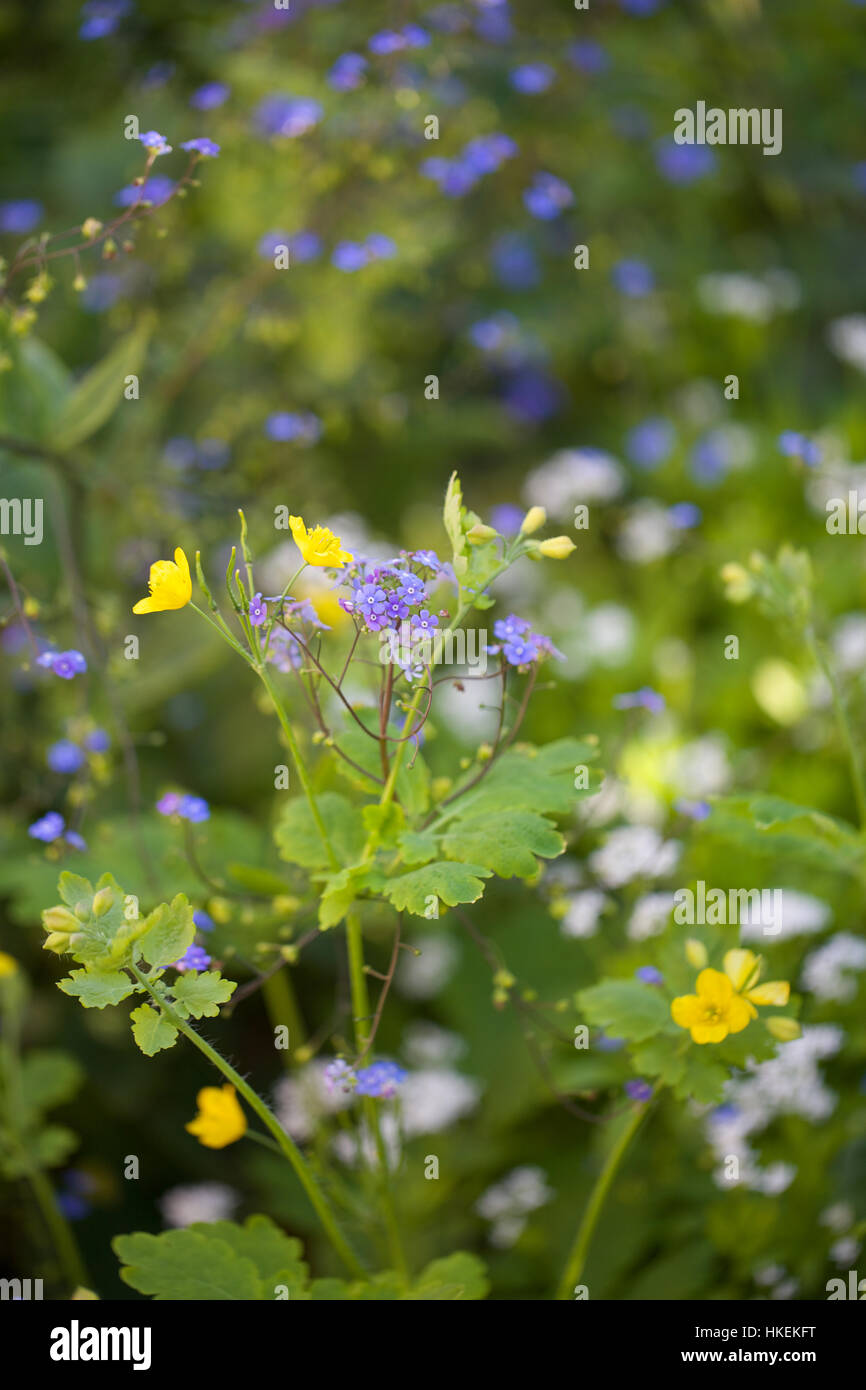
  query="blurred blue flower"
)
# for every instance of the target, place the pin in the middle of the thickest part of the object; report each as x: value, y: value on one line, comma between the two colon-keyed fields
x: 348, y: 72
x: 649, y: 975
x: 514, y: 262
x: 63, y: 664
x: 99, y: 18
x: 155, y: 190
x: 532, y: 78
x: 97, y: 741
x: 194, y: 958
x: 48, y: 828
x: 212, y: 453
x: 638, y: 1090
x: 693, y: 810
x: 287, y: 116
x: 287, y: 427
x: 645, y: 698
x: 65, y: 756
x: 684, y: 163
x: 203, y: 146
x: 532, y: 396
x: 210, y: 96
x: 155, y: 143
x: 102, y: 292
x: 795, y: 445
x: 506, y: 518
x: 494, y: 23
x: 547, y: 196
x: 494, y: 333
x: 380, y: 247
x: 202, y: 920
x: 633, y: 278
x: 685, y: 515
x: 650, y: 443
x: 349, y: 256
x: 589, y: 56
x: 20, y: 216
x: 194, y: 809
x: 380, y: 1079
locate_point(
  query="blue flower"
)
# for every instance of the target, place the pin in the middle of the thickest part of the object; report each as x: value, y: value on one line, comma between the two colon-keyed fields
x: 650, y: 443
x: 649, y: 975
x: 645, y: 698
x: 97, y: 741
x: 380, y: 247
x: 211, y: 95
x: 65, y: 756
x: 639, y: 1090
x: 633, y: 278
x: 685, y: 515
x: 208, y: 149
x: 387, y: 41
x: 380, y: 1079
x: 348, y: 72
x: 193, y: 808
x: 349, y: 256
x: 66, y: 665
x: 506, y: 518
x: 412, y: 590
x: 547, y: 196
x: 532, y: 78
x: 694, y: 810
x: 796, y: 445
x: 287, y: 116
x: 258, y: 611
x: 202, y: 921
x: 169, y: 804
x: 75, y: 840
x: 20, y: 216
x: 157, y: 189
x: 99, y: 18
x: 493, y: 333
x: 684, y: 163
x: 507, y: 629
x: 589, y: 56
x: 289, y: 427
x: 514, y: 262
x: 49, y: 828
x: 155, y: 143
x: 194, y: 958
x: 641, y: 7
x: 425, y: 621
x: 339, y: 1076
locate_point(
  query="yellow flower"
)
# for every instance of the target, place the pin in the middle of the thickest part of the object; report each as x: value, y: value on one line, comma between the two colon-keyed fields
x: 220, y: 1119
x: 319, y: 546
x: 557, y: 548
x: 534, y: 519
x: 8, y: 965
x: 725, y: 1003
x: 169, y: 583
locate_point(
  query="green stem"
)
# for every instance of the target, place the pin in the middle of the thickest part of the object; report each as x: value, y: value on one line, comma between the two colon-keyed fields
x: 843, y: 724
x: 577, y: 1257
x: 361, y: 1012
x: 300, y: 765
x: 256, y: 1104
x: 61, y: 1233
x: 282, y: 1006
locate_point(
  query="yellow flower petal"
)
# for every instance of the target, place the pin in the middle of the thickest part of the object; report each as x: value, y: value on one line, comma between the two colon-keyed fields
x: 709, y: 1032
x: 220, y: 1120
x: 318, y: 546
x: 739, y: 1014
x: 687, y: 1010
x: 170, y: 585
x: 715, y: 989
x: 775, y: 992
x: 741, y: 967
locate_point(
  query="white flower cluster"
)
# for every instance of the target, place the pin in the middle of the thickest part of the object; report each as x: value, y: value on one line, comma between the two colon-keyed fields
x: 634, y: 851
x: 572, y: 476
x: 824, y: 970
x: 508, y: 1203
x: 198, y: 1201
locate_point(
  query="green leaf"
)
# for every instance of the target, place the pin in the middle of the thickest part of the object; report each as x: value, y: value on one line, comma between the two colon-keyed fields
x: 662, y: 1056
x: 443, y: 882
x: 298, y: 838
x: 201, y: 995
x: 627, y: 1008
x: 258, y: 880
x: 413, y: 779
x: 704, y: 1077
x: 75, y: 891
x: 386, y: 821
x: 48, y: 1078
x: 33, y: 392
x: 167, y: 932
x: 151, y: 1030
x: 96, y: 988
x: 457, y: 1276
x: 451, y: 515
x: 186, y: 1265
x: 770, y: 825
x: 276, y: 1256
x: 507, y: 843
x: 339, y: 893
x: 417, y: 846
x: 526, y: 779
x: 93, y: 400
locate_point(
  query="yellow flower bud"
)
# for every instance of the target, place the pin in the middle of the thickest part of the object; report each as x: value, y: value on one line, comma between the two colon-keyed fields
x: 91, y: 227
x: 738, y: 583
x: 57, y: 941
x: 8, y: 965
x: 479, y: 532
x: 59, y: 919
x: 535, y: 518
x: 557, y: 548
x: 103, y: 902
x: 696, y: 953
x: 220, y: 910
x: 784, y: 1029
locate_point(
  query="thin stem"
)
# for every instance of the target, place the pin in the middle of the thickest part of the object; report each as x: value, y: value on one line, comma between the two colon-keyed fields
x: 61, y: 1233
x: 843, y: 724
x: 301, y: 766
x: 577, y: 1257
x: 287, y: 1146
x: 282, y: 1006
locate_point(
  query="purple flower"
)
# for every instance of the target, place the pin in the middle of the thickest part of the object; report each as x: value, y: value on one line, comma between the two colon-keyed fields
x: 487, y: 153
x: 633, y: 278
x: 605, y: 1043
x: 20, y: 216
x: 258, y: 611
x: 412, y: 590
x: 97, y: 741
x: 73, y: 838
x: 387, y: 41
x: 338, y: 1076
x: 156, y: 190
x: 641, y: 7
x: 684, y: 163
x: 287, y: 116
x: 66, y: 665
x: 349, y: 256
x: 506, y: 518
x: 650, y: 975
x: 65, y: 756
x: 293, y: 427
x: 430, y: 560
x: 202, y: 921
x: 547, y: 196
x: 519, y: 651
x: 48, y: 828
x: 155, y: 143
x: 380, y: 1079
x: 211, y: 95
x: 514, y: 263
x: 169, y: 805
x: 650, y: 443
x: 380, y: 247
x: 348, y: 72
x: 396, y: 610
x: 639, y: 1090
x: 532, y: 78
x: 645, y: 698
x: 194, y: 958
x: 369, y: 601
x: 512, y: 627
x: 589, y: 56
x: 532, y: 396
x: 491, y: 334
x: 193, y: 808
x: 694, y: 810
x: 685, y: 515
x: 425, y: 621
x: 99, y: 18
x: 203, y: 146
x: 795, y: 445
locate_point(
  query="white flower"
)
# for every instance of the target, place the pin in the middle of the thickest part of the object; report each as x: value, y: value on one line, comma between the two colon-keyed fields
x: 425, y: 1044
x: 847, y: 338
x: 608, y: 633
x: 633, y: 851
x: 435, y: 1098
x: 198, y: 1201
x: 749, y: 296
x: 423, y: 976
x: 700, y: 768
x: 845, y: 1251
x: 508, y: 1203
x: 801, y: 915
x: 839, y: 1217
x: 647, y: 533
x: 572, y: 476
x: 583, y: 912
x: 650, y: 915
x: 849, y: 642
x: 823, y: 970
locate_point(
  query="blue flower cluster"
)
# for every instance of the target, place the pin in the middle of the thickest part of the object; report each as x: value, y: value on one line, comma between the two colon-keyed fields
x: 66, y: 665
x: 483, y: 155
x: 293, y: 427
x: 51, y: 827
x: 191, y: 808
x: 519, y: 644
x: 283, y: 651
x: 67, y: 757
x: 387, y: 594
x: 379, y: 1079
x: 286, y: 116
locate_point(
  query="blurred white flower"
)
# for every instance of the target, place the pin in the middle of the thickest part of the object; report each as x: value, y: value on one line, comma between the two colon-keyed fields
x: 801, y: 915
x: 849, y: 642
x: 423, y: 976
x: 572, y: 476
x: 700, y: 768
x: 647, y: 533
x: 583, y: 913
x: 198, y: 1201
x: 435, y: 1098
x: 634, y: 851
x: 425, y: 1044
x: 301, y: 1100
x: 753, y: 297
x: 847, y: 338
x: 845, y: 1251
x: 839, y: 1217
x: 824, y: 971
x: 650, y: 915
x: 508, y: 1203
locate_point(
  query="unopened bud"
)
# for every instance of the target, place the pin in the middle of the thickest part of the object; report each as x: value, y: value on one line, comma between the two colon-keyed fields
x: 534, y: 519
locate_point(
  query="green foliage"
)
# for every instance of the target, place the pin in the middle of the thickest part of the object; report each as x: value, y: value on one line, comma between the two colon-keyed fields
x: 298, y: 838
x: 420, y: 890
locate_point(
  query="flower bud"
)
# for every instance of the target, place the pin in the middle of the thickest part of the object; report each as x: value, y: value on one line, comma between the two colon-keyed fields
x: 738, y: 583
x: 57, y: 941
x: 696, y: 953
x: 103, y: 902
x: 783, y: 1029
x: 91, y: 227
x: 59, y: 919
x: 8, y: 965
x: 557, y: 547
x: 535, y: 517
x: 479, y: 532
